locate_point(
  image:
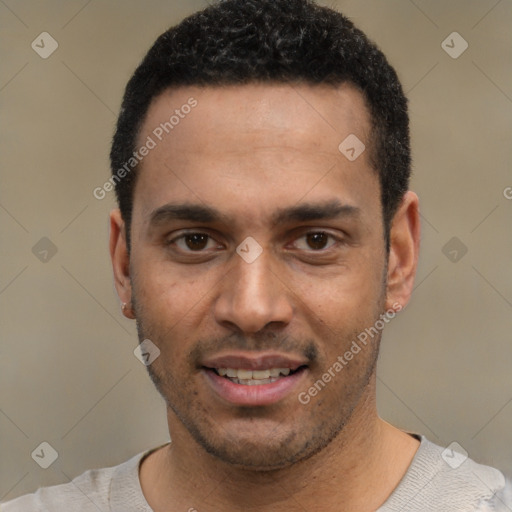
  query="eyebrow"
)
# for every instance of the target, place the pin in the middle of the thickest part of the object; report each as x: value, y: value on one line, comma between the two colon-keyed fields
x: 332, y: 209
x: 185, y: 211
x: 315, y: 211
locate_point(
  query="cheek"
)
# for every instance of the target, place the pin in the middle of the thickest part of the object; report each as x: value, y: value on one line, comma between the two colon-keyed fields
x: 173, y: 306
x: 162, y: 286
x: 337, y: 310
x: 351, y: 292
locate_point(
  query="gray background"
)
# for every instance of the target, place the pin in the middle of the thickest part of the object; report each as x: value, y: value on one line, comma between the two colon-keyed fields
x: 68, y: 375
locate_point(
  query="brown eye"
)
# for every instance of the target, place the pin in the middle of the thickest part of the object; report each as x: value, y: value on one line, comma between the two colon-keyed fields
x: 193, y: 242
x: 196, y: 241
x: 317, y: 240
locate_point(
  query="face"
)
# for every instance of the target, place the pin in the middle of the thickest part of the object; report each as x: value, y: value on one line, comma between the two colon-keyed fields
x: 257, y: 258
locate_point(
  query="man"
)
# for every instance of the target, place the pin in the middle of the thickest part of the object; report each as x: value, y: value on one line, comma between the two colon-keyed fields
x: 265, y: 236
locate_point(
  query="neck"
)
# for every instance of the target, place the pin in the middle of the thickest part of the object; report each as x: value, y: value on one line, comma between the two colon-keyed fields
x: 358, y: 470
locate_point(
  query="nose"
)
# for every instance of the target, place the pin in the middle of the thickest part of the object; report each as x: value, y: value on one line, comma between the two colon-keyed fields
x: 252, y: 296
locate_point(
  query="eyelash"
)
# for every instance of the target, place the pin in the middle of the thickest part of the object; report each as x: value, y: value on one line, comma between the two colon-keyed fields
x: 337, y: 240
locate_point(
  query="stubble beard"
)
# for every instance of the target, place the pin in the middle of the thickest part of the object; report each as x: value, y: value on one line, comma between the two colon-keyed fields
x: 265, y: 453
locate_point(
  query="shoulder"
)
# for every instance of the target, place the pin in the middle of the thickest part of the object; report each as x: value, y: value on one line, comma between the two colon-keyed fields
x: 501, y: 501
x: 90, y: 491
x: 443, y: 479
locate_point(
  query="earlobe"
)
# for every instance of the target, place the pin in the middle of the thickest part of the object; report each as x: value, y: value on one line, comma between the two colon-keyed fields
x: 128, y: 310
x: 403, y: 252
x: 120, y: 262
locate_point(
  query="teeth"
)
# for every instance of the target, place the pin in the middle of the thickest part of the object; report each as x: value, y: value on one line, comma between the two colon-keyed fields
x: 259, y: 374
x: 251, y: 375
x: 244, y: 374
x: 252, y: 382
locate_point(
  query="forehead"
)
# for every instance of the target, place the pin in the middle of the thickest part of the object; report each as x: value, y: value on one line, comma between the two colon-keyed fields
x: 262, y: 111
x: 255, y: 144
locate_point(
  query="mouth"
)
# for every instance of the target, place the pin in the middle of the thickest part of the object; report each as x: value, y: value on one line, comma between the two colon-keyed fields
x: 254, y: 377
x: 248, y: 379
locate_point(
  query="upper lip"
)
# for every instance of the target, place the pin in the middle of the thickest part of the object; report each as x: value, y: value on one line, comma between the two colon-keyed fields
x: 254, y: 361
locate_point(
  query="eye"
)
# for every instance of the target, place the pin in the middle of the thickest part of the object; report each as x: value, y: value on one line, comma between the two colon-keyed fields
x: 315, y: 240
x: 193, y: 242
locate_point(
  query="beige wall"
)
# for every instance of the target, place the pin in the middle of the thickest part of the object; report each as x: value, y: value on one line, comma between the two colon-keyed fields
x: 68, y: 375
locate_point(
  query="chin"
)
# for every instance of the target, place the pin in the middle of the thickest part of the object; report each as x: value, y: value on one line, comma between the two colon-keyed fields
x: 268, y: 449
x: 255, y: 457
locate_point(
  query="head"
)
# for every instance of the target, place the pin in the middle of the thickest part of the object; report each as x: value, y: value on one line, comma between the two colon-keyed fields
x: 245, y: 238
x: 260, y: 41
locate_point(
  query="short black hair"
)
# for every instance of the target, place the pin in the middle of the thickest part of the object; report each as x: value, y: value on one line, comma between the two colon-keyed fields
x: 267, y: 41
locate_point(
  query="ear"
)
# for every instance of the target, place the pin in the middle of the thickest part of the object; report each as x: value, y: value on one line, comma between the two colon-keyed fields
x: 403, y: 253
x: 121, y: 261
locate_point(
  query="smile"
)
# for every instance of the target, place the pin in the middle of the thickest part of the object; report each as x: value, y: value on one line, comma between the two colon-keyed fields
x: 250, y: 391
x: 253, y: 377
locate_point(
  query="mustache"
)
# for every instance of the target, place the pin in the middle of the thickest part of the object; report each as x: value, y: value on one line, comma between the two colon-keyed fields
x: 257, y: 343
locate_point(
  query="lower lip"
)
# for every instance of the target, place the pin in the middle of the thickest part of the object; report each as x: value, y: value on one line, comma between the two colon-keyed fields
x: 259, y: 394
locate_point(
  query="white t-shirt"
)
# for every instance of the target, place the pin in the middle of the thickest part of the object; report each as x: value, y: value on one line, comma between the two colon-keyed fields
x: 432, y: 483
